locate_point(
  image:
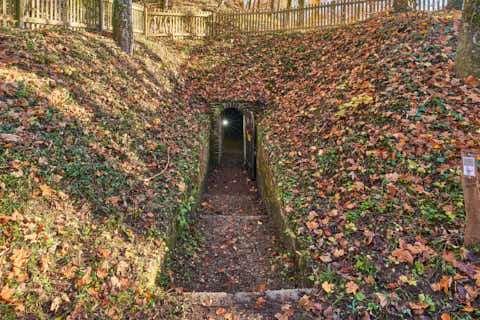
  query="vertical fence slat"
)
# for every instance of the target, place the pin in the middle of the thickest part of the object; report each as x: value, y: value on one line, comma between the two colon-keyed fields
x: 98, y: 13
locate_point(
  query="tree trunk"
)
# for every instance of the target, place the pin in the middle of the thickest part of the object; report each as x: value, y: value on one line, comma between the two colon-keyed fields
x: 400, y: 5
x: 301, y: 17
x: 455, y: 4
x: 468, y: 48
x: 101, y: 10
x: 20, y: 5
x: 122, y: 24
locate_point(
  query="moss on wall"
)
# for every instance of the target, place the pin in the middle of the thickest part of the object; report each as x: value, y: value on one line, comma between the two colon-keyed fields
x: 276, y: 210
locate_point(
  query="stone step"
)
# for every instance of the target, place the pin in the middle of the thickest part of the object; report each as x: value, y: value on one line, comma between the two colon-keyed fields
x: 234, y: 217
x: 238, y: 204
x: 224, y: 299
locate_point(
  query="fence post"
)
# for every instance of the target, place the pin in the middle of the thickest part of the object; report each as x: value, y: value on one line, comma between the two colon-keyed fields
x: 65, y: 12
x: 145, y: 19
x: 101, y: 6
x: 21, y: 13
x: 471, y: 192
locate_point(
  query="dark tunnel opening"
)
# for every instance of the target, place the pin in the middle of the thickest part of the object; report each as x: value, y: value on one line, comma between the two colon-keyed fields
x: 232, y: 124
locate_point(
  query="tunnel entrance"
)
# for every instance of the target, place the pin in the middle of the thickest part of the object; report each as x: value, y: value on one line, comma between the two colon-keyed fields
x: 233, y: 144
x: 237, y: 139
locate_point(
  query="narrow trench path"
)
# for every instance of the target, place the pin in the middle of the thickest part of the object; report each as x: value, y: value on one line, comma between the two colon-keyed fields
x: 236, y: 251
x: 239, y: 246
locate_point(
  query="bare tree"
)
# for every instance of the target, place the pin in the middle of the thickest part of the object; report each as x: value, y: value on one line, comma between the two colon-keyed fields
x: 468, y: 48
x: 455, y: 4
x: 122, y: 24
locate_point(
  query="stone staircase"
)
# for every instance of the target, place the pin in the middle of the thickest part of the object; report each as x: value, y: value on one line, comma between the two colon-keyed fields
x: 231, y: 275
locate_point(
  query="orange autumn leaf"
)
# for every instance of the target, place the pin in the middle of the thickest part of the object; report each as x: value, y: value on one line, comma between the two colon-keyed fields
x: 352, y: 287
x: 444, y: 284
x: 328, y: 287
x: 6, y: 293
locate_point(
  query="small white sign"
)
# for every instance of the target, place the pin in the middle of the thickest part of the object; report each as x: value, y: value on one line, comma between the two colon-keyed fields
x: 469, y: 166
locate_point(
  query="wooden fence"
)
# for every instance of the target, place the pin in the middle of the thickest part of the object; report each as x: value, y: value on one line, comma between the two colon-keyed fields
x: 77, y: 14
x: 178, y: 24
x: 331, y: 13
x: 85, y: 14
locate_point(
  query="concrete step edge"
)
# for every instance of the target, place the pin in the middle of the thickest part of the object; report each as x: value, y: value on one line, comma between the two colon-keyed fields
x: 222, y: 299
x: 236, y: 217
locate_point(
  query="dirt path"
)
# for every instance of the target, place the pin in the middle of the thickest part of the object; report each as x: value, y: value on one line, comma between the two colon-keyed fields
x: 238, y: 240
x: 236, y: 248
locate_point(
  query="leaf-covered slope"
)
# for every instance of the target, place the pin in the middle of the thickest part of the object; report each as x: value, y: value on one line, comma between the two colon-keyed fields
x: 96, y: 154
x: 364, y: 130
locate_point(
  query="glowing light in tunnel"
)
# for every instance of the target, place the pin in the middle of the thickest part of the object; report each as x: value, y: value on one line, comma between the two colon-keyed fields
x: 225, y: 122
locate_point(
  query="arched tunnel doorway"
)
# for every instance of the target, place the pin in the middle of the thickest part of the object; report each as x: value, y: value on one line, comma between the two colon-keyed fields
x: 233, y: 144
x: 237, y: 139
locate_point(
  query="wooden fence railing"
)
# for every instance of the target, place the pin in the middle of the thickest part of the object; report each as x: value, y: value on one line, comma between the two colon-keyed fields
x: 77, y: 14
x: 178, y: 24
x: 329, y: 13
x: 85, y: 14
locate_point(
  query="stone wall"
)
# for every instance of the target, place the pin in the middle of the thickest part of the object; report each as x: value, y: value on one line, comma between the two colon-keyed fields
x: 276, y: 210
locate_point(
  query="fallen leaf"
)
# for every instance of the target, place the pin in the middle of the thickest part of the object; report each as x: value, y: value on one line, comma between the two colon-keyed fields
x: 46, y: 190
x: 260, y: 301
x: 444, y: 284
x: 6, y: 294
x: 352, y: 287
x: 382, y: 299
x: 445, y: 316
x: 9, y: 137
x: 328, y: 287
x: 181, y: 186
x: 220, y: 311
x: 337, y: 253
x: 55, y: 304
x: 326, y: 258
x: 402, y: 255
x: 260, y: 288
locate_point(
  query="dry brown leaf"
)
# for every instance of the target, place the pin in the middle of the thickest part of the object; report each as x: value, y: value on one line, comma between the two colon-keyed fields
x: 9, y: 137
x: 326, y: 258
x: 402, y: 255
x: 328, y: 287
x: 6, y: 294
x: 444, y: 284
x: 260, y: 301
x: 122, y: 268
x: 86, y: 278
x: 207, y: 303
x: 260, y: 288
x: 55, y: 304
x: 46, y: 190
x: 352, y: 287
x: 181, y: 186
x: 393, y: 176
x: 312, y: 225
x: 337, y: 253
x: 382, y: 299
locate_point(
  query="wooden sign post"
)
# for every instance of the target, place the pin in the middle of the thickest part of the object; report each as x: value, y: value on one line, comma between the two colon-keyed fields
x: 471, y: 192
